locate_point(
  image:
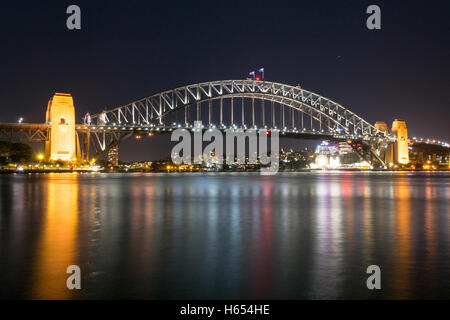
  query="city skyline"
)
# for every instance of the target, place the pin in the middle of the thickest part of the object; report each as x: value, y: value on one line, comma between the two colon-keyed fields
x: 109, y: 63
x: 225, y: 158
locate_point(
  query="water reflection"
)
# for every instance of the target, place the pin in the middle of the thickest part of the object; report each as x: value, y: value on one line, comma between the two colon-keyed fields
x: 402, y: 260
x: 225, y: 236
x: 57, y: 241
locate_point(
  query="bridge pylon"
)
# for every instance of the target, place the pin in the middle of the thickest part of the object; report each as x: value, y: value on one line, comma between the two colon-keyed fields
x: 61, y: 117
x: 401, y: 151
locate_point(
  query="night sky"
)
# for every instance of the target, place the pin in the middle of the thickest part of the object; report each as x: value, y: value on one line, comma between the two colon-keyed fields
x: 131, y: 49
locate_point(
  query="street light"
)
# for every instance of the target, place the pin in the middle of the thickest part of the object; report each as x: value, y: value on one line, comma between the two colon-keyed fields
x: 40, y: 157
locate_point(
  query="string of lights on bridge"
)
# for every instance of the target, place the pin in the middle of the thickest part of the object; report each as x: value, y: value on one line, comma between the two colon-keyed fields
x: 155, y: 128
x: 430, y: 141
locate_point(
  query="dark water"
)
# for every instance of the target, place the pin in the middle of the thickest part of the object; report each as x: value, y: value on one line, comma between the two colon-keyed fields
x: 225, y: 236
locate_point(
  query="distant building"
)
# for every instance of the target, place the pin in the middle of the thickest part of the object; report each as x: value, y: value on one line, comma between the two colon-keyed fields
x: 327, y: 156
x: 113, y: 156
x: 326, y: 148
x: 421, y: 152
x: 344, y: 148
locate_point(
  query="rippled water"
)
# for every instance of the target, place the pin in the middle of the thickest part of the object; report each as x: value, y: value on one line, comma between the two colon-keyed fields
x: 225, y: 236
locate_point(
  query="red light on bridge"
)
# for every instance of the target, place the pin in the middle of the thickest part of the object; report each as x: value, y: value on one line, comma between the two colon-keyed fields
x: 267, y: 133
x: 257, y: 78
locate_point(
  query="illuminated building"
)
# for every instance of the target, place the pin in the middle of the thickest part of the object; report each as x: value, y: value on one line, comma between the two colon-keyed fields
x: 113, y: 156
x: 327, y: 156
x: 344, y: 148
x: 327, y: 148
x: 61, y: 117
x: 323, y: 161
x: 401, y: 145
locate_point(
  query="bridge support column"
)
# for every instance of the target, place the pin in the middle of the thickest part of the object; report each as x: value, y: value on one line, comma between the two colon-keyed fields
x: 78, y: 152
x: 243, y: 113
x: 263, y: 114
x: 273, y: 114
x: 253, y: 112
x: 221, y: 112
x: 232, y: 107
x: 88, y: 146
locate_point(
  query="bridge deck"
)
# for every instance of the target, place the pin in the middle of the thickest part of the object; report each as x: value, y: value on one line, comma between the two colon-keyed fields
x: 25, y: 131
x: 288, y: 133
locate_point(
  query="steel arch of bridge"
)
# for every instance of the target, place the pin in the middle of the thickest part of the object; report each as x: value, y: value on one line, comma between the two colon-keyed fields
x: 150, y: 111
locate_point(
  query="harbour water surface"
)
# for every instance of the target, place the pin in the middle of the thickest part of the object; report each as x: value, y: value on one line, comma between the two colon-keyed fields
x: 225, y: 236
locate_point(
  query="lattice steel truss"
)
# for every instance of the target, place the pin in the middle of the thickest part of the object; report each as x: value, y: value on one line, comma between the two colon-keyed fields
x: 152, y: 111
x: 24, y: 132
x: 98, y: 140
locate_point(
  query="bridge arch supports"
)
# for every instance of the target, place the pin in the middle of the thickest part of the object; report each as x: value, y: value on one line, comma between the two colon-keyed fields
x: 61, y: 117
x: 156, y: 109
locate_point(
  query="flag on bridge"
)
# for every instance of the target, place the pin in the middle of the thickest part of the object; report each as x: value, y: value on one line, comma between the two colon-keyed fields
x: 261, y: 70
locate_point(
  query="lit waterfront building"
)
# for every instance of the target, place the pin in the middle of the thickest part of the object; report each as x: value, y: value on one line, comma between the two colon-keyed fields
x: 344, y: 148
x: 113, y: 156
x: 327, y: 156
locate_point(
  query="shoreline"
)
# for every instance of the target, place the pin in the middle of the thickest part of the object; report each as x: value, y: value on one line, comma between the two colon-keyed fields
x: 9, y: 172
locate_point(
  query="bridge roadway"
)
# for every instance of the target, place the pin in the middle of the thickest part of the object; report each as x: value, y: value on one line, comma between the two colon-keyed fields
x: 40, y: 131
x: 102, y: 137
x: 287, y: 133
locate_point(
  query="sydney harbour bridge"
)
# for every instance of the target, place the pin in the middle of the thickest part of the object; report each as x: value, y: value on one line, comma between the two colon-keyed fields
x: 224, y: 105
